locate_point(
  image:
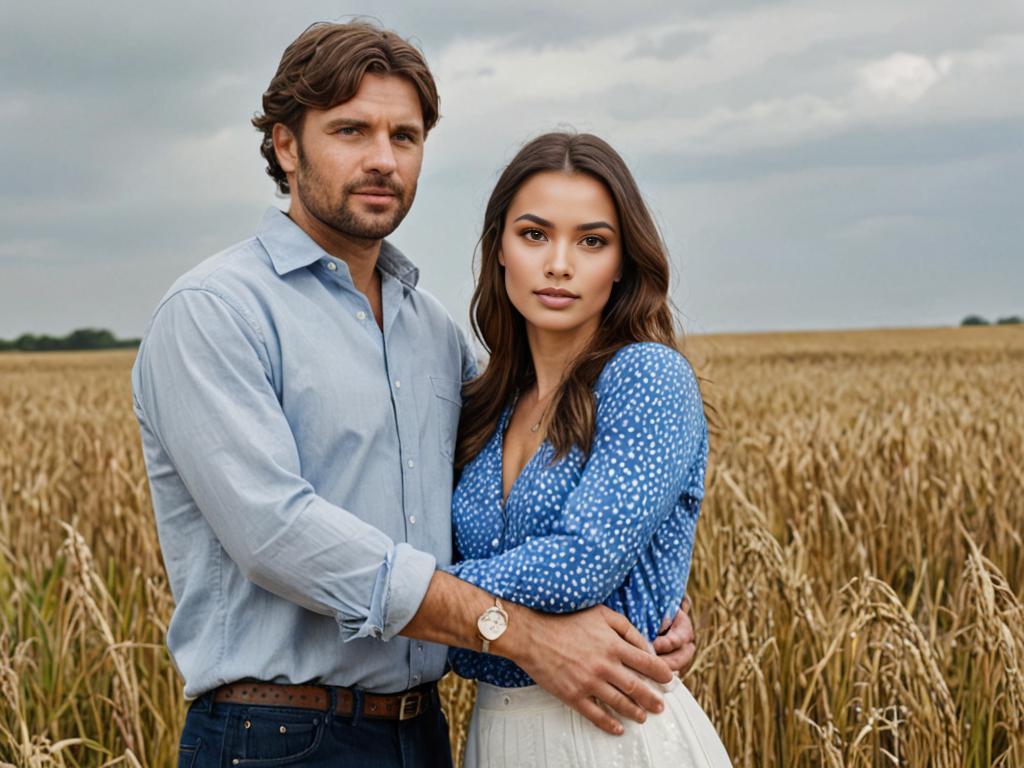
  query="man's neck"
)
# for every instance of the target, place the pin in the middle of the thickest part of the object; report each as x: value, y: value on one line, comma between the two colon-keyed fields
x: 359, y: 254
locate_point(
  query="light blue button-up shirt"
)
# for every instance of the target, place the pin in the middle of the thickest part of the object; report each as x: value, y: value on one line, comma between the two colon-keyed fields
x: 300, y: 462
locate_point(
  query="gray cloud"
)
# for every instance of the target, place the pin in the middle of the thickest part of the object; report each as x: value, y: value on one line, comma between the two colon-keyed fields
x: 813, y: 164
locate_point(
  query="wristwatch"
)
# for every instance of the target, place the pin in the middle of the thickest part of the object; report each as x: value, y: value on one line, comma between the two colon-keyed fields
x: 492, y: 624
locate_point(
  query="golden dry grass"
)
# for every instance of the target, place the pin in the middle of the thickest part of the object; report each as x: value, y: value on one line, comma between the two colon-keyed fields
x: 857, y: 581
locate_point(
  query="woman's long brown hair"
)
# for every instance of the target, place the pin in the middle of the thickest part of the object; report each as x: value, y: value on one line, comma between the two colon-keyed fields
x: 637, y: 310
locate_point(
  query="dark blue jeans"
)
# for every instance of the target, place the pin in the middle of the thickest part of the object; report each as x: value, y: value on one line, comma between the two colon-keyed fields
x: 241, y: 735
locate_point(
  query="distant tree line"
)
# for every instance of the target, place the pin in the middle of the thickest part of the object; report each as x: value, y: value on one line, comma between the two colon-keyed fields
x: 83, y: 338
x: 979, y: 320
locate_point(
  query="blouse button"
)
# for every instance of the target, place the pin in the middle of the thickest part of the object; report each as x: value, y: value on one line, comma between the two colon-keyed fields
x: 494, y: 542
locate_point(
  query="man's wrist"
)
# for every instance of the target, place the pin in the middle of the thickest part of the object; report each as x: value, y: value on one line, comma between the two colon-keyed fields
x: 513, y: 643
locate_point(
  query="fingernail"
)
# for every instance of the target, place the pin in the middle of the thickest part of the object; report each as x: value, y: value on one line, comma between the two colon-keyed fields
x: 618, y: 729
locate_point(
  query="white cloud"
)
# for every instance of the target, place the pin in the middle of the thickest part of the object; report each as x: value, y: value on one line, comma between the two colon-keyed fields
x: 903, y: 76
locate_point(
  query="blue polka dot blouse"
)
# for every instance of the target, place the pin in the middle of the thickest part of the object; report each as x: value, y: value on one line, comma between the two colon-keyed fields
x: 615, y: 528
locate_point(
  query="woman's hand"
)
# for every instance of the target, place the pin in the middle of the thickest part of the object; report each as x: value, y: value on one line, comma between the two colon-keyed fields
x: 676, y: 643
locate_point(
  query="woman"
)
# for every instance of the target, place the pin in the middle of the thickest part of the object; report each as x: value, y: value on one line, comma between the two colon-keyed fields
x: 582, y: 447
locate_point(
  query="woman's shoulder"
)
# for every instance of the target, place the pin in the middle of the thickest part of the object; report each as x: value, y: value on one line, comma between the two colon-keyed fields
x: 647, y: 363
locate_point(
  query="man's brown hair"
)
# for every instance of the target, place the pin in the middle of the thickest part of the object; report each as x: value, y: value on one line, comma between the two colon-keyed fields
x: 323, y: 68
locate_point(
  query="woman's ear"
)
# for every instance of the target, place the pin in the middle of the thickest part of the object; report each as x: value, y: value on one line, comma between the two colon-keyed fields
x: 501, y: 257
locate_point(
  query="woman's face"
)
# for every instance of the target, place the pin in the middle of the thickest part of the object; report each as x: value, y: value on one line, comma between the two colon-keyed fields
x: 562, y: 251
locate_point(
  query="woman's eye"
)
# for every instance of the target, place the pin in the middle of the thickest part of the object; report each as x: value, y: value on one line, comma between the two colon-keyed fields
x: 593, y: 241
x: 534, y: 234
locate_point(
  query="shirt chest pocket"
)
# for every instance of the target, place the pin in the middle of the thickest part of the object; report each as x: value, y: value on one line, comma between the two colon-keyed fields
x: 447, y: 402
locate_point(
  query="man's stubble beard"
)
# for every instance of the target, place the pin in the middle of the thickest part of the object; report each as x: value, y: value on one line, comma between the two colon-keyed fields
x: 312, y: 190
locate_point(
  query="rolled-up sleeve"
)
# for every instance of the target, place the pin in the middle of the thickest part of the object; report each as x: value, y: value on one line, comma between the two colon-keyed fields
x: 203, y: 386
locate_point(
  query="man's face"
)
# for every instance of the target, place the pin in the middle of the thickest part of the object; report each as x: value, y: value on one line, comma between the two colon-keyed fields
x: 355, y: 166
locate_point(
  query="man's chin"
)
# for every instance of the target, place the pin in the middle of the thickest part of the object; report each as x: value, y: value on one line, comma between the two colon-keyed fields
x: 365, y: 226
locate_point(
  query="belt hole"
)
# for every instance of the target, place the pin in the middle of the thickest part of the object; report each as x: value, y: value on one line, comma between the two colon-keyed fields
x: 247, y: 725
x: 282, y: 729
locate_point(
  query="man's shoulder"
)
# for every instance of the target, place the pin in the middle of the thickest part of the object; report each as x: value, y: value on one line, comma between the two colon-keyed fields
x: 434, y: 309
x: 236, y: 265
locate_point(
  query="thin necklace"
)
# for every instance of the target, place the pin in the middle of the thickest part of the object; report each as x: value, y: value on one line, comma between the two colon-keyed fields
x: 536, y: 427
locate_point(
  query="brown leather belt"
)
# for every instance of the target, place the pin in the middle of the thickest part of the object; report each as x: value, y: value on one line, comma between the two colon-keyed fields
x: 398, y: 706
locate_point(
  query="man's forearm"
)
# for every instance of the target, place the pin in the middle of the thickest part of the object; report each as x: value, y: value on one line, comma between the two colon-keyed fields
x: 449, y: 612
x: 584, y: 658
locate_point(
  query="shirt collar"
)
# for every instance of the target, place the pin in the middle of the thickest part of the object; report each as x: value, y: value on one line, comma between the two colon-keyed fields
x: 290, y: 249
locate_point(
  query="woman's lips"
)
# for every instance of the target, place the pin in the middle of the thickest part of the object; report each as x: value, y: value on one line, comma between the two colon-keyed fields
x: 552, y: 300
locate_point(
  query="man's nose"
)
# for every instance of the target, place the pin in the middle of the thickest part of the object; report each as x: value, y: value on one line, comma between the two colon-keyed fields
x: 380, y: 155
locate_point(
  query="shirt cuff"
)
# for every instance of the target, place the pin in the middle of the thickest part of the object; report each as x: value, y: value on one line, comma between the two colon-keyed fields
x: 401, y: 584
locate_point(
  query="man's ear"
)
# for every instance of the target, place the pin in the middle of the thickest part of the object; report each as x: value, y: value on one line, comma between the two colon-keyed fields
x: 286, y: 147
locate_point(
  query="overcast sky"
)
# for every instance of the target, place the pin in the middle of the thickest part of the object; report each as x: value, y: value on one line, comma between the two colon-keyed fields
x: 817, y: 164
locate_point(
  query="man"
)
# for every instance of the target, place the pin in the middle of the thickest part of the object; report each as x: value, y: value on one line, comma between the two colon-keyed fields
x: 298, y: 398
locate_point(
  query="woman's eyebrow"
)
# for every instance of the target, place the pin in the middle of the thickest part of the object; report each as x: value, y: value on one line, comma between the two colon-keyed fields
x: 595, y: 225
x: 535, y: 219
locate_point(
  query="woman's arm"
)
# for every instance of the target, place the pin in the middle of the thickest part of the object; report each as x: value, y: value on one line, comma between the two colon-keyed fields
x: 650, y: 435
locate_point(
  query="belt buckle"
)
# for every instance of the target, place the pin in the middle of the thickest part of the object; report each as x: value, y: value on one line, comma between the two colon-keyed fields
x: 405, y: 712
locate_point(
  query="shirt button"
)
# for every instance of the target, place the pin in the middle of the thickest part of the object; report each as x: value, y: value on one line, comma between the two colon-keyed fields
x: 419, y: 646
x: 415, y: 678
x: 360, y: 315
x: 411, y: 463
x: 494, y: 542
x: 398, y: 384
x: 332, y: 266
x: 412, y: 519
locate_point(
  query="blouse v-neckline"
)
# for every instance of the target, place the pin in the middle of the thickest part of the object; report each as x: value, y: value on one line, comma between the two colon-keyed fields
x: 503, y: 425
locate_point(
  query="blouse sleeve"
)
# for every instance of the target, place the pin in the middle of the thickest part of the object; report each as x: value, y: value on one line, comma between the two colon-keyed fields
x: 650, y: 436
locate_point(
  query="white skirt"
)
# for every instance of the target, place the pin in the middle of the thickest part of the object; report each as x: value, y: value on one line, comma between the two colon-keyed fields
x: 530, y: 728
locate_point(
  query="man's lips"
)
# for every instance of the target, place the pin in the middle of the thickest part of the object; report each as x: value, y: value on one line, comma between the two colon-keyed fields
x: 555, y: 298
x: 376, y: 194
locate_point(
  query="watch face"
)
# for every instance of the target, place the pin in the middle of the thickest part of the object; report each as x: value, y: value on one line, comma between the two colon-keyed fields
x: 492, y: 623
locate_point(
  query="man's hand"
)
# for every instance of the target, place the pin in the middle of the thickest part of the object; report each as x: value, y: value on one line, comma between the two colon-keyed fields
x: 676, y: 643
x: 589, y: 659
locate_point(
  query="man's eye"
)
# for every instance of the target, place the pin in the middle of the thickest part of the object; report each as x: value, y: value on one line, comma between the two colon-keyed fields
x: 348, y: 131
x: 404, y: 137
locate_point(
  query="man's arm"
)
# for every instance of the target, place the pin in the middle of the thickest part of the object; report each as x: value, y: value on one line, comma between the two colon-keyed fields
x: 203, y: 386
x: 584, y: 658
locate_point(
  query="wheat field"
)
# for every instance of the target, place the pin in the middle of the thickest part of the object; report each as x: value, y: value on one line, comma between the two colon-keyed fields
x: 858, y: 578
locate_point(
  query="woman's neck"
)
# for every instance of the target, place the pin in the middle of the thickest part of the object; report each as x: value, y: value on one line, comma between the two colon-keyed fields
x: 553, y: 351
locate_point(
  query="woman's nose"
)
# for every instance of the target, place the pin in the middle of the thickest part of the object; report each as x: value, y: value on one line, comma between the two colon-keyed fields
x: 559, y: 263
